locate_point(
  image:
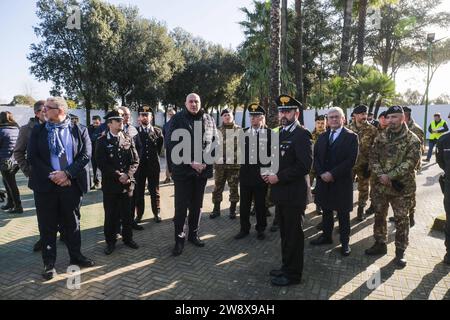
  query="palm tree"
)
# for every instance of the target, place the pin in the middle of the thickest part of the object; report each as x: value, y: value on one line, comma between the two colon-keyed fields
x: 298, y: 50
x: 275, y: 61
x: 346, y: 39
x: 362, y: 12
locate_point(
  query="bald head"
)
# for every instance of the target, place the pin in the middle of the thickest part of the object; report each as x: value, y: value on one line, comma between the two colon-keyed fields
x: 193, y: 103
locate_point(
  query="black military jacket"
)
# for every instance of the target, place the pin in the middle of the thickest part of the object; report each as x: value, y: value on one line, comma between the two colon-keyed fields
x: 116, y: 154
x: 149, y: 145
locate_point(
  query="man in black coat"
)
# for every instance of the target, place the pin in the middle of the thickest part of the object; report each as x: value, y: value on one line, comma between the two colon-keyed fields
x: 290, y: 190
x: 149, y: 146
x: 118, y: 161
x: 335, y: 155
x: 443, y: 159
x: 252, y: 185
x: 59, y: 154
x: 189, y: 141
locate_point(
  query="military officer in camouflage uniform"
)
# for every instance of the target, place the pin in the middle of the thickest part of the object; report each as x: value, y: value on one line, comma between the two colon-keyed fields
x: 393, y: 159
x: 366, y: 135
x: 229, y: 169
x: 118, y: 161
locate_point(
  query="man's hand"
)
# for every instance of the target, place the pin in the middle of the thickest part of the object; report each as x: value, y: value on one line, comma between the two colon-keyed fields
x: 60, y: 178
x: 198, y: 167
x: 272, y: 179
x: 123, y: 178
x: 385, y: 180
x: 327, y: 177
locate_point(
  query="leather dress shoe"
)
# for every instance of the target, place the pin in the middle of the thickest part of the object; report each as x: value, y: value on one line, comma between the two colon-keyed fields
x: 37, y: 246
x: 322, y: 240
x: 346, y: 250
x: 197, y: 242
x: 179, y: 246
x: 276, y: 273
x: 284, y: 281
x: 131, y: 244
x: 138, y: 220
x: 241, y: 235
x: 18, y: 210
x: 7, y: 207
x: 49, y: 272
x: 109, y: 249
x: 82, y: 262
x: 158, y: 218
x: 261, y: 236
x: 137, y: 227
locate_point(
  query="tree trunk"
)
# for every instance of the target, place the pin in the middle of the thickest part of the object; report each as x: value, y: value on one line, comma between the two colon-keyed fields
x: 284, y: 40
x: 88, y: 106
x: 361, y: 30
x: 377, y: 108
x: 244, y: 117
x: 346, y: 39
x: 298, y: 51
x: 275, y: 62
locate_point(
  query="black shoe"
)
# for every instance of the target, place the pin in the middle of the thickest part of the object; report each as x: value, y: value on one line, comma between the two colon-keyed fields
x: 37, y: 246
x: 284, y: 281
x: 370, y: 211
x: 346, y: 250
x: 131, y: 244
x: 109, y: 249
x: 179, y: 246
x: 197, y: 242
x: 261, y: 236
x: 138, y: 219
x: 93, y: 188
x: 412, y: 222
x: 137, y: 227
x: 158, y: 218
x: 166, y: 181
x: 360, y: 215
x: 82, y: 262
x: 232, y: 216
x: 400, y: 259
x: 322, y: 240
x: 18, y: 210
x: 426, y: 160
x: 7, y: 207
x: 377, y: 249
x: 274, y: 228
x: 276, y: 273
x: 49, y: 272
x: 447, y: 259
x: 318, y: 210
x: 391, y: 219
x: 241, y: 235
x: 319, y: 226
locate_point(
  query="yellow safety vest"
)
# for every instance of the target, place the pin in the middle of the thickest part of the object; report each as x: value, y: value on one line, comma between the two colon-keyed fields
x: 434, y: 126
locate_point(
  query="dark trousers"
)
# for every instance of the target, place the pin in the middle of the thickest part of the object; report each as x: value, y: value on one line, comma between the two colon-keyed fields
x: 247, y: 193
x: 9, y: 181
x: 117, y: 212
x: 150, y: 174
x: 94, y: 169
x: 61, y: 207
x: 431, y: 145
x: 188, y: 195
x: 291, y: 219
x: 447, y: 213
x: 344, y: 225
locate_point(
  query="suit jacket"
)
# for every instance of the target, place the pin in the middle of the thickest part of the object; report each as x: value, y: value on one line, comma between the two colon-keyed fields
x: 149, y: 146
x: 295, y: 163
x: 338, y: 159
x: 38, y: 153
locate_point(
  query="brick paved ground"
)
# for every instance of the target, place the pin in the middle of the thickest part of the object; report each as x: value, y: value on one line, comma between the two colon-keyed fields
x: 225, y: 268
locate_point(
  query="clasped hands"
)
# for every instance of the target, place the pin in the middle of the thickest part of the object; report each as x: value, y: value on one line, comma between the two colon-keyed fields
x: 327, y: 177
x: 123, y: 178
x: 60, y: 178
x: 199, y: 167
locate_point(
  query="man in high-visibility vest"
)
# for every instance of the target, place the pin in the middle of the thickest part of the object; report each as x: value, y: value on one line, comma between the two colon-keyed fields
x: 436, y: 129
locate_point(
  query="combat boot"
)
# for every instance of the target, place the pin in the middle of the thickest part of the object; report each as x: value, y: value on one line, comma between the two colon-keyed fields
x: 216, y: 211
x: 232, y: 210
x: 361, y: 216
x: 370, y: 211
x: 400, y: 259
x: 377, y: 249
x: 412, y: 222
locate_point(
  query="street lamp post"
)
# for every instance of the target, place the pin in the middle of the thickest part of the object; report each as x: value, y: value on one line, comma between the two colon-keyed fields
x: 430, y: 39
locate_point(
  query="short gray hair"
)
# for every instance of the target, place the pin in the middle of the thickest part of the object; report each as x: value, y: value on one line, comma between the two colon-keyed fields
x: 60, y: 102
x: 124, y: 109
x: 338, y: 110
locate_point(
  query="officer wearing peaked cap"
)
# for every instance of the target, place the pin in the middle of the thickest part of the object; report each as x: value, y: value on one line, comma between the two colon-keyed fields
x: 290, y: 189
x: 118, y: 161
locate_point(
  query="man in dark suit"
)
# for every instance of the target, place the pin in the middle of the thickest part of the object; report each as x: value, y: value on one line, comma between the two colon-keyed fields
x: 59, y: 154
x: 290, y: 190
x: 335, y: 155
x: 252, y: 185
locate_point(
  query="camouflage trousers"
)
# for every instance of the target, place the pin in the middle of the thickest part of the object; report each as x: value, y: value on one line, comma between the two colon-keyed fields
x: 401, y: 205
x: 363, y: 190
x: 222, y: 175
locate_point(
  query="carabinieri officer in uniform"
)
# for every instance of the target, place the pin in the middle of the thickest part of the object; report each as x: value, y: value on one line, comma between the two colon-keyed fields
x: 118, y: 161
x: 289, y: 190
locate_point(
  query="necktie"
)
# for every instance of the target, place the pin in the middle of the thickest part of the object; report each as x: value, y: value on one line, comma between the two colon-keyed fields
x: 63, y: 164
x: 332, y: 136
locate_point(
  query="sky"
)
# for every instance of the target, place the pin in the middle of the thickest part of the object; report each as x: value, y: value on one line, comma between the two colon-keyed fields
x: 213, y: 20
